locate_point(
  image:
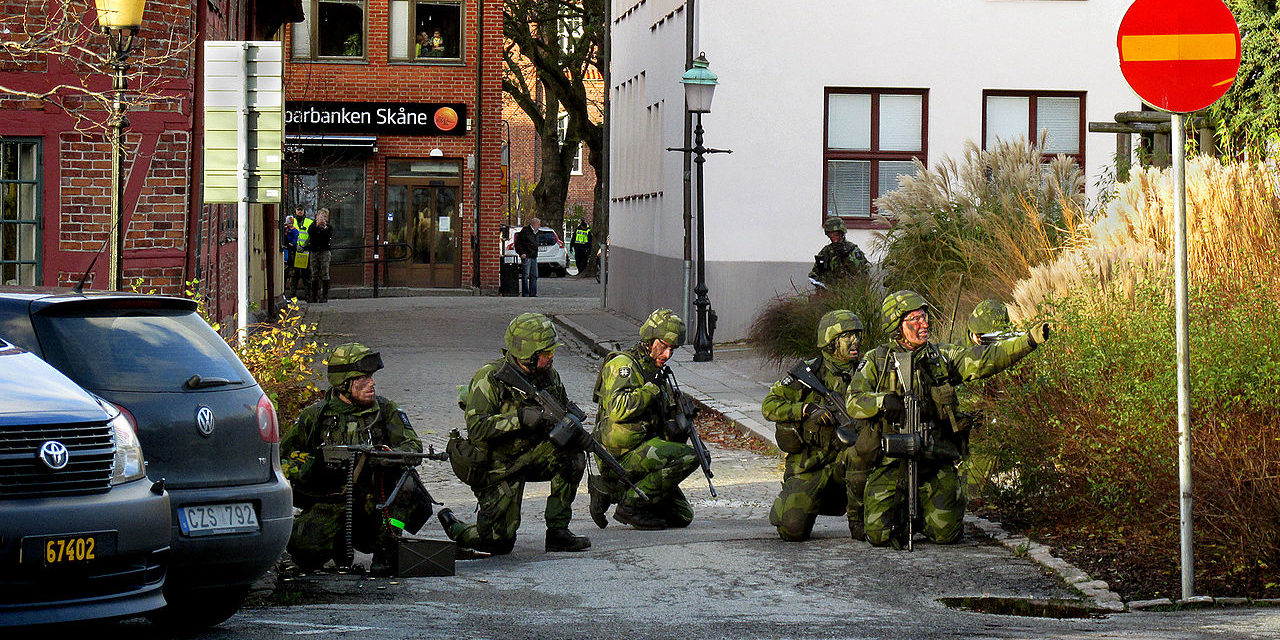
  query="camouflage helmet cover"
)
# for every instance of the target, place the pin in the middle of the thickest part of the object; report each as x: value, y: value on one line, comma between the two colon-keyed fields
x: 990, y: 316
x: 352, y: 360
x: 898, y: 304
x: 528, y: 334
x: 835, y: 323
x: 664, y: 325
x: 833, y: 223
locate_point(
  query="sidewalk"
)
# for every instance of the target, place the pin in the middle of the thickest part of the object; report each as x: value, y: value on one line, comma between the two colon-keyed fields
x: 734, y: 383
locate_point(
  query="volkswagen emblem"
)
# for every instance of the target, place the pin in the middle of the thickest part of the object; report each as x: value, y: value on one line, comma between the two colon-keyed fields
x: 204, y: 420
x: 54, y: 454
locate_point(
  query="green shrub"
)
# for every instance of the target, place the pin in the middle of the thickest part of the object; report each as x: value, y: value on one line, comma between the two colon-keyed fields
x: 786, y: 329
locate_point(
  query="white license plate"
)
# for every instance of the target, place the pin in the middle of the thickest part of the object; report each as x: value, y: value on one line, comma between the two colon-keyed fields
x: 214, y: 519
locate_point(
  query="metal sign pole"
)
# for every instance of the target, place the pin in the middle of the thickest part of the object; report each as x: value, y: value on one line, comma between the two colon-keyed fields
x: 1178, y: 135
x: 242, y: 197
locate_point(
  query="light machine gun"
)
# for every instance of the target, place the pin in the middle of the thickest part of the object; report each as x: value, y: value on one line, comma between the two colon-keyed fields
x: 568, y: 430
x: 910, y: 444
x: 806, y: 376
x: 353, y: 458
x: 682, y: 412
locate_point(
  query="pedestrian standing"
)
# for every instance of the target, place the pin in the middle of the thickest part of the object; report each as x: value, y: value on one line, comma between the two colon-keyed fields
x: 300, y: 257
x: 321, y: 245
x: 582, y: 245
x: 527, y: 246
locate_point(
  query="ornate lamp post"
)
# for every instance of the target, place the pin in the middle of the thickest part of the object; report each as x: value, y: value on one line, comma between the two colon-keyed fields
x: 119, y: 20
x: 699, y: 86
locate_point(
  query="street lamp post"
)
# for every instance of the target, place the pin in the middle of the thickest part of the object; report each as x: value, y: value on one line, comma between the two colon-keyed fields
x: 119, y: 20
x: 699, y: 86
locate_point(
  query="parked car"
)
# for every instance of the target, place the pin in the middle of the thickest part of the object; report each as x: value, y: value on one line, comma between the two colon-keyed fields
x: 553, y: 257
x: 83, y: 534
x: 208, y: 429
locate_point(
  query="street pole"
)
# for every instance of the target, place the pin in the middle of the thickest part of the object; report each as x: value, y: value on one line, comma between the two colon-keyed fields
x: 1178, y: 135
x: 702, y: 345
x: 119, y: 83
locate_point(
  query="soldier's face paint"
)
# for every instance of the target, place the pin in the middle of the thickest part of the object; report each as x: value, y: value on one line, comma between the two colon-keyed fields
x: 362, y: 391
x: 835, y: 236
x: 915, y: 329
x: 545, y: 358
x: 660, y: 352
x: 845, y: 346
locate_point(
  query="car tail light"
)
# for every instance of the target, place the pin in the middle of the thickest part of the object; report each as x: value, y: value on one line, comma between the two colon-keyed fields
x: 561, y: 243
x: 133, y: 422
x: 268, y: 427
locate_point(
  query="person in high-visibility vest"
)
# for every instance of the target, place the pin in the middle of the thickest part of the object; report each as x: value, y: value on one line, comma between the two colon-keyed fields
x: 300, y: 258
x: 581, y: 243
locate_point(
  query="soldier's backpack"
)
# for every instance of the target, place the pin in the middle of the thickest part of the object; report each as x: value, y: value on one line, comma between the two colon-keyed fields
x: 470, y: 463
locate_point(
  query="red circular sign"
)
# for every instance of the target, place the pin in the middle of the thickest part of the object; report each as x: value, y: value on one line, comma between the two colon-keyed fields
x: 1179, y: 55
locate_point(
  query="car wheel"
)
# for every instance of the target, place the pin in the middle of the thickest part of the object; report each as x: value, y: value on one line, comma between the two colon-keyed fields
x: 562, y: 272
x: 199, y: 609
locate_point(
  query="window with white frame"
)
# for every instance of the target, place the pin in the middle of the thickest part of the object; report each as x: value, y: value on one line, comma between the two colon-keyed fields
x: 426, y: 30
x: 331, y: 29
x: 1010, y: 115
x: 872, y: 136
x: 570, y: 31
x: 563, y: 126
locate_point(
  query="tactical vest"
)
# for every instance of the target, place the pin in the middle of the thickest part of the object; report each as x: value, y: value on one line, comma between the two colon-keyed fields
x: 582, y: 235
x: 302, y: 259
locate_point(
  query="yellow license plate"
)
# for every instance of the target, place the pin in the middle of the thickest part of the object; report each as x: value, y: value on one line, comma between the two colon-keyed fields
x: 69, y: 549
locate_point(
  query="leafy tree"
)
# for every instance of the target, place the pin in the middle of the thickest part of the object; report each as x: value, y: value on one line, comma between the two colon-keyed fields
x: 1247, y: 119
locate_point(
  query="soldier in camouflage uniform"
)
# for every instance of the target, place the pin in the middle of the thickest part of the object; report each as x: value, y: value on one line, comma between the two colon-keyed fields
x: 823, y: 475
x: 989, y: 322
x: 511, y: 436
x: 838, y: 260
x: 876, y: 393
x: 350, y: 413
x: 633, y: 424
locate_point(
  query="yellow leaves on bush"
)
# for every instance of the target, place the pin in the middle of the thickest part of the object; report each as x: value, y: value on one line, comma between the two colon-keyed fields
x: 283, y: 357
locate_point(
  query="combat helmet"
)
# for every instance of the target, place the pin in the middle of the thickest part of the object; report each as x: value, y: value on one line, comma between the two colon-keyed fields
x: 528, y: 334
x: 664, y: 325
x: 352, y: 360
x: 898, y: 304
x: 835, y: 323
x: 990, y: 316
x: 834, y: 223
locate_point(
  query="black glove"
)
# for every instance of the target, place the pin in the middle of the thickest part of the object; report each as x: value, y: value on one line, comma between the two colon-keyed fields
x: 818, y: 414
x: 1039, y: 334
x: 891, y: 407
x: 531, y: 417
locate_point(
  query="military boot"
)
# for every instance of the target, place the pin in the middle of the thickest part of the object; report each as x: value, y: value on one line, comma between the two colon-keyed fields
x: 324, y: 290
x: 600, y: 501
x: 448, y: 522
x: 565, y: 540
x: 638, y: 517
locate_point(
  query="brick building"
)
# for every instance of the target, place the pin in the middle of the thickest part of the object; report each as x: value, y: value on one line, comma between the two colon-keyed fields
x: 56, y: 169
x: 386, y: 129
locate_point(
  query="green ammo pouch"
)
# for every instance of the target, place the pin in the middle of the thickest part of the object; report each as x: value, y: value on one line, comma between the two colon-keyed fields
x: 470, y: 463
x: 788, y: 437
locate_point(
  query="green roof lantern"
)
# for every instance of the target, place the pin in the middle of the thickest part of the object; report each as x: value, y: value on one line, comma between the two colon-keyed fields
x: 699, y: 85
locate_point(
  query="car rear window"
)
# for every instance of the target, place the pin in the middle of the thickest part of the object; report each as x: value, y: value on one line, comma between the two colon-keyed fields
x: 127, y: 349
x: 546, y: 237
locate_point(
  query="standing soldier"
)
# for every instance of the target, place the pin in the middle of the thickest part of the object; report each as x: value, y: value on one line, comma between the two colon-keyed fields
x: 823, y: 475
x: 350, y: 413
x: 581, y: 244
x: 633, y: 423
x: 932, y: 373
x: 838, y: 260
x: 507, y: 445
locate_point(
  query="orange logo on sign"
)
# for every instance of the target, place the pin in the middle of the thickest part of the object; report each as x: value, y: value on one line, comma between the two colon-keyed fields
x: 446, y: 119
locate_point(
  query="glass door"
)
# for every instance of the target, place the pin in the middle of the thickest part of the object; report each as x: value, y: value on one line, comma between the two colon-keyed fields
x: 422, y: 218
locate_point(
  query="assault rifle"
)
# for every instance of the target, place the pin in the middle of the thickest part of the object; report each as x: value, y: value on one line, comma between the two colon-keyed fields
x: 908, y: 445
x: 805, y: 375
x: 682, y: 412
x: 354, y: 458
x: 568, y: 430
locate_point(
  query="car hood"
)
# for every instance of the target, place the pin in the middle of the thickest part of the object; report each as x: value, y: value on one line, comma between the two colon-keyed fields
x: 32, y: 392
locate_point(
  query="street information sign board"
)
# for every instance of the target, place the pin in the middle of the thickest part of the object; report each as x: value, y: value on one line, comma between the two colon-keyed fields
x: 1179, y: 55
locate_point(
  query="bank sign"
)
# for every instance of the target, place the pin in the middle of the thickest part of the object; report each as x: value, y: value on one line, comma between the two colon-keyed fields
x: 388, y: 118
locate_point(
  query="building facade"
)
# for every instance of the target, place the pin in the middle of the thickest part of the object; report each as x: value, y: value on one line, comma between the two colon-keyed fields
x: 393, y: 121
x: 823, y: 110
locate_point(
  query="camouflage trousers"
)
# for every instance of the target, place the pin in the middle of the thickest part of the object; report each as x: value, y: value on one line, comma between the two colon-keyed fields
x: 942, y: 503
x: 318, y: 535
x: 831, y: 490
x: 498, y: 514
x: 657, y: 467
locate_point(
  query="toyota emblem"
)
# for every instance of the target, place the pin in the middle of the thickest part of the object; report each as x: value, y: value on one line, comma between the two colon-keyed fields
x: 54, y: 455
x: 204, y: 420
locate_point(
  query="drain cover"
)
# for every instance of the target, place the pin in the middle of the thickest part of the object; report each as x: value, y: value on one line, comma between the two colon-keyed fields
x: 1030, y: 607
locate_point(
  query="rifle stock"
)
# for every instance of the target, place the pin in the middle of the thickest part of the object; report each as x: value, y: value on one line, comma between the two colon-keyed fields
x: 805, y: 375
x: 683, y: 413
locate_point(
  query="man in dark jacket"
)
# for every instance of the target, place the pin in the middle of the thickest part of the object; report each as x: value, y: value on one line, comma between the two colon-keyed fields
x: 527, y: 247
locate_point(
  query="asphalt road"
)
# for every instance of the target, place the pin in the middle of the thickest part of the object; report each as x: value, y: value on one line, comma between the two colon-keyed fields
x: 726, y: 576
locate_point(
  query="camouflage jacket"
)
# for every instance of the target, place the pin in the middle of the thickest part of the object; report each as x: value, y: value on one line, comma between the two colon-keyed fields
x: 940, y: 369
x: 632, y: 408
x: 808, y: 445
x: 839, y: 260
x: 491, y: 409
x: 331, y: 421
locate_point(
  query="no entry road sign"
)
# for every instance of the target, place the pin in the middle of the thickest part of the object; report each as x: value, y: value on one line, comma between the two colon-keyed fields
x: 1179, y: 55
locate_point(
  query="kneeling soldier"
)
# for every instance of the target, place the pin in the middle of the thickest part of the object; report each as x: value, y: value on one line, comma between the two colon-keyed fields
x: 636, y: 425
x: 349, y: 414
x: 507, y: 445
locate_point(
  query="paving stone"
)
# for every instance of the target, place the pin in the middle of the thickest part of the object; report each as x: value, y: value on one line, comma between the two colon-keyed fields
x: 1139, y: 605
